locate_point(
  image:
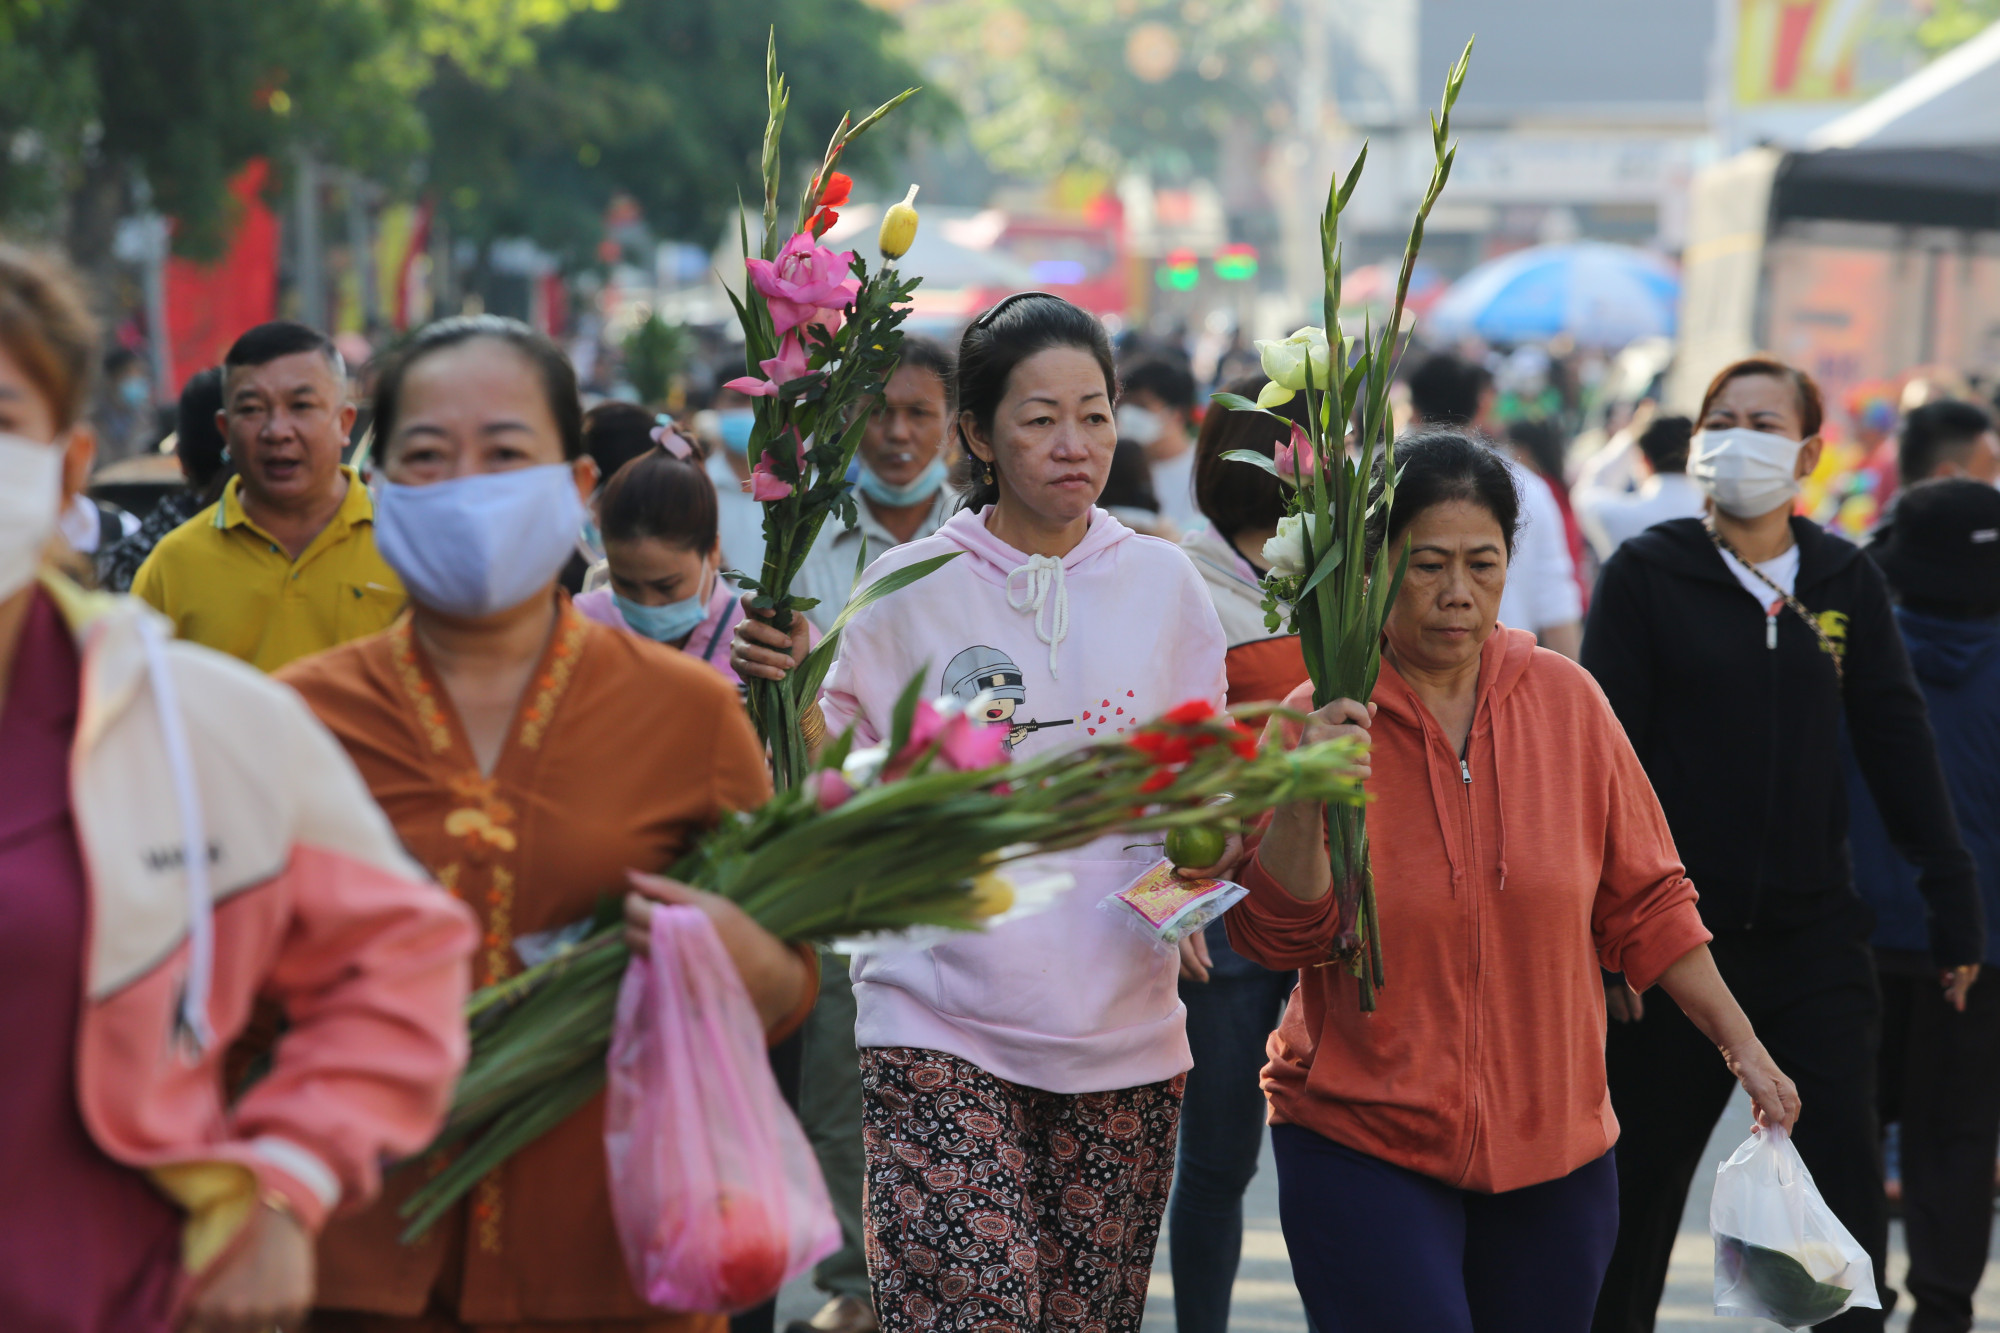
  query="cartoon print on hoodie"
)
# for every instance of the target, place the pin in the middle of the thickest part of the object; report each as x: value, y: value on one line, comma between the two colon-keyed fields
x: 988, y: 680
x: 1111, y: 635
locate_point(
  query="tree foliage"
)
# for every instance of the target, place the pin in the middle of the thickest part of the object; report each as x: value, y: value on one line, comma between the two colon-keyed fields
x: 663, y: 101
x: 1053, y: 84
x: 99, y: 96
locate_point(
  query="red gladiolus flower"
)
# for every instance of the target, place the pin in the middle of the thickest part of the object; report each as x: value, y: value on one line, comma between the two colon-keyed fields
x: 1189, y: 713
x: 823, y: 222
x: 838, y: 186
x: 1164, y: 748
x: 1160, y: 781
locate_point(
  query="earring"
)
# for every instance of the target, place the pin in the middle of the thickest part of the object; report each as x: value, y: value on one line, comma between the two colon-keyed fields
x: 990, y: 477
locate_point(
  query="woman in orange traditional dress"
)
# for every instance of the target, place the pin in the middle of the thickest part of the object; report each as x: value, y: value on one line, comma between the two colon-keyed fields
x: 530, y: 759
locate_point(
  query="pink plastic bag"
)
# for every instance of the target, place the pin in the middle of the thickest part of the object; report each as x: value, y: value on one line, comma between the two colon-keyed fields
x: 714, y: 1188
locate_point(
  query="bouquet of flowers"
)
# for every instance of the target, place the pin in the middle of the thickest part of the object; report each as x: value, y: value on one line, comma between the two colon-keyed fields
x: 909, y: 835
x: 821, y: 335
x: 1320, y: 575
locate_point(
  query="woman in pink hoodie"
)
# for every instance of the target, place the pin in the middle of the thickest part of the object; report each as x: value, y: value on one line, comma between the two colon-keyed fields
x: 1023, y: 1086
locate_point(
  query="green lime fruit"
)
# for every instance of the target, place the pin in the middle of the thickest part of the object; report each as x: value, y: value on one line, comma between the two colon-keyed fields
x: 1196, y: 847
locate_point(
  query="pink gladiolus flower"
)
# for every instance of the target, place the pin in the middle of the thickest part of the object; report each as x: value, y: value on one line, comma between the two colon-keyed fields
x: 967, y: 745
x: 962, y: 743
x: 1295, y: 457
x: 789, y: 364
x: 803, y: 279
x: 831, y: 790
x: 765, y: 483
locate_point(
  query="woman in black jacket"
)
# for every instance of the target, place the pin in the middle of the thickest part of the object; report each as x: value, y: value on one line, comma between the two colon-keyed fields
x: 1733, y: 648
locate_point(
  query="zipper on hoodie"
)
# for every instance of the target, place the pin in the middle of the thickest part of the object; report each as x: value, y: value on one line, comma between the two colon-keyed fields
x: 1473, y: 908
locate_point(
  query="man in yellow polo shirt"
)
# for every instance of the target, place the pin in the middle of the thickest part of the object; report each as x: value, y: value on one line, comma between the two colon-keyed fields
x: 284, y: 564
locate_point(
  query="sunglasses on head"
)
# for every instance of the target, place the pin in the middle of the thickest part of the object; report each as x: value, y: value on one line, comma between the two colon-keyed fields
x: 997, y: 310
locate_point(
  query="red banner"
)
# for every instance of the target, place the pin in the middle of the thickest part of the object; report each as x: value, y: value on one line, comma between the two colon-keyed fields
x: 210, y: 305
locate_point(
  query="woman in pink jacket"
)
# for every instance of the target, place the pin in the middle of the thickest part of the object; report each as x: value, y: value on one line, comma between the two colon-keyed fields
x: 1022, y: 1087
x: 179, y: 838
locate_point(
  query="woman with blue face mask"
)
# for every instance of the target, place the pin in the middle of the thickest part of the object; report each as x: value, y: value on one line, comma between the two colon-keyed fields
x: 533, y: 761
x: 663, y: 556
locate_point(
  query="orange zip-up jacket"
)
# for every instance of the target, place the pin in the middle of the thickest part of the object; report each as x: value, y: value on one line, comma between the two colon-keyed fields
x: 1503, y: 882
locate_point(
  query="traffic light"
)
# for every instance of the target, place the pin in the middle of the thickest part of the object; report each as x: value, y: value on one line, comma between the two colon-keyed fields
x: 1236, y: 262
x: 1180, y: 271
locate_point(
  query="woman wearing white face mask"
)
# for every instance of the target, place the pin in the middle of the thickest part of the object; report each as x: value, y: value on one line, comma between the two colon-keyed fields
x: 180, y: 841
x: 533, y: 760
x: 1734, y: 648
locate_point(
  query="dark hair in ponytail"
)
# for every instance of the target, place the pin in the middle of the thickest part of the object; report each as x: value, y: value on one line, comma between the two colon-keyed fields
x: 1001, y: 339
x: 661, y: 496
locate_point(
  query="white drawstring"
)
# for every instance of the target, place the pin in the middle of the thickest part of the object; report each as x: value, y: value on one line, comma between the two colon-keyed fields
x: 1044, y: 573
x: 194, y: 841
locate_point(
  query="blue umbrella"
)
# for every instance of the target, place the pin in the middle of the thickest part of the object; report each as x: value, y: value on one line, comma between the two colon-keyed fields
x: 1601, y: 295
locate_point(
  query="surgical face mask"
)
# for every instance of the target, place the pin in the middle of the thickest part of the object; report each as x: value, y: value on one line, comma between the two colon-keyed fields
x: 30, y: 503
x: 1746, y: 472
x: 736, y: 424
x: 477, y: 545
x: 1138, y: 424
x: 916, y: 492
x: 590, y: 542
x: 135, y: 393
x: 664, y: 624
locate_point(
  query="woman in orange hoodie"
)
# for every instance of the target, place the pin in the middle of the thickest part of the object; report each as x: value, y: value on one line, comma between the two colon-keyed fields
x: 1444, y: 1163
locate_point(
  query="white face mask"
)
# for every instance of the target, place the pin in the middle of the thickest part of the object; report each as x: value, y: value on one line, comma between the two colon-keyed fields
x: 477, y: 545
x: 1138, y: 424
x: 1746, y: 472
x: 30, y: 503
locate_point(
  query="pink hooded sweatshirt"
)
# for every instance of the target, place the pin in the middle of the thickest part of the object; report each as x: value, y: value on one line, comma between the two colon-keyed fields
x: 1112, y: 635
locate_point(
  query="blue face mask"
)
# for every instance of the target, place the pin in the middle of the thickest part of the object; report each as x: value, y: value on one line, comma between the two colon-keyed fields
x: 736, y: 423
x: 590, y: 542
x: 477, y: 545
x: 663, y: 624
x: 135, y: 393
x: 895, y: 497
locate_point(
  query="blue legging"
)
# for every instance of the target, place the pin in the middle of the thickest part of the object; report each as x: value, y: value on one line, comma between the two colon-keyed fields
x: 1378, y: 1249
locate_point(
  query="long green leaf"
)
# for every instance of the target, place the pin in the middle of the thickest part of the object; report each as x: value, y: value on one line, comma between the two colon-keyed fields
x: 1331, y: 561
x: 811, y: 673
x: 1253, y: 458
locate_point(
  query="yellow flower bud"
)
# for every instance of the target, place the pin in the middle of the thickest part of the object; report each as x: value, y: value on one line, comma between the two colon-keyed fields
x: 899, y: 227
x: 992, y: 894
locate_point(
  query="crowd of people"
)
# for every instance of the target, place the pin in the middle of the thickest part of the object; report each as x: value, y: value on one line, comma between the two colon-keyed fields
x: 371, y: 721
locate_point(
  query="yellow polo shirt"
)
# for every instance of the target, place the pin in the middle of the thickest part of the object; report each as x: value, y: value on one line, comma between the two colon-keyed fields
x: 227, y: 585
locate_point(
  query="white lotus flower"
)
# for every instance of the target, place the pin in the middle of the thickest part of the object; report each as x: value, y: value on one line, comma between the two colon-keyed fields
x: 1286, y: 360
x: 1285, y: 553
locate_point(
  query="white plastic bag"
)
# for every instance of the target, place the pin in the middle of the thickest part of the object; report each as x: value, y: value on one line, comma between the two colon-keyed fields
x: 1780, y: 1253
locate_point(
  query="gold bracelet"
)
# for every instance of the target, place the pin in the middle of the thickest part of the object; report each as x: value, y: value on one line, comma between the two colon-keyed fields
x: 812, y: 727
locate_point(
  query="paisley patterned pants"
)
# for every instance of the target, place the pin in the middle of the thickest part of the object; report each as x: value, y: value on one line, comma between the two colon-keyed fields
x: 1005, y: 1209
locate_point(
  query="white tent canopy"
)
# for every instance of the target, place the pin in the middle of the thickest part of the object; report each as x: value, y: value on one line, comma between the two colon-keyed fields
x: 1953, y: 102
